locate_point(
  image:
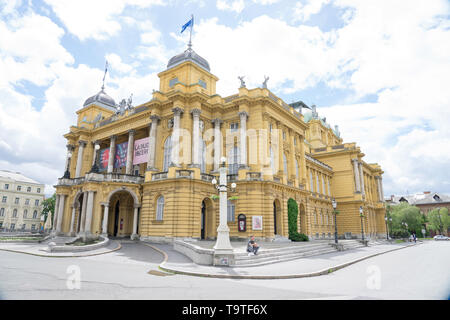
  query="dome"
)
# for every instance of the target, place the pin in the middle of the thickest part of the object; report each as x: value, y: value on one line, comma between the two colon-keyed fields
x: 101, y: 97
x: 188, y: 55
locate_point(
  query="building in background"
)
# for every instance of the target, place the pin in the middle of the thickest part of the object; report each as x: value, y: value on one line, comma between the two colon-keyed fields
x: 425, y: 201
x: 146, y: 171
x: 20, y: 202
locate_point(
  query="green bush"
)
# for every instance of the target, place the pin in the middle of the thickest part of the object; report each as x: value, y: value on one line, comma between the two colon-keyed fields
x: 292, y: 222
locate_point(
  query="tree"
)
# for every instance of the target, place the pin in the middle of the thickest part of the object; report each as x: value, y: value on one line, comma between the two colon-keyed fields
x: 439, y: 220
x: 49, y: 206
x: 406, y: 219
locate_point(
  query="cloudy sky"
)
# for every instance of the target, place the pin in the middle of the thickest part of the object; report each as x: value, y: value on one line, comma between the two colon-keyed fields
x: 378, y: 69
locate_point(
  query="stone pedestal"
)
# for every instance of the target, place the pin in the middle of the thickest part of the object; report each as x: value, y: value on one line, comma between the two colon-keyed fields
x: 223, y: 259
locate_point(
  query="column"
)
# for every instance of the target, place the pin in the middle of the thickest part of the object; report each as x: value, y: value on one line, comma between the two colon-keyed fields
x: 176, y: 137
x: 129, y: 165
x: 60, y: 213
x: 105, y: 220
x: 89, y: 212
x: 361, y: 175
x: 83, y: 211
x: 379, y: 188
x: 196, y: 137
x: 112, y: 151
x: 356, y: 173
x: 223, y: 245
x: 82, y: 144
x: 135, y: 223
x: 217, y: 143
x: 243, y: 138
x: 55, y: 213
x: 280, y: 149
x: 72, y: 221
x: 152, y: 143
x: 382, y: 193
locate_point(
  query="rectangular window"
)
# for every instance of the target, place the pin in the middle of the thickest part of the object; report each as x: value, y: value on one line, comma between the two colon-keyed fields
x: 284, y: 135
x: 36, y: 203
x: 234, y: 127
x: 173, y: 82
x: 13, y: 226
x: 6, y: 186
x: 23, y: 226
x: 2, y: 212
x: 29, y: 189
x: 27, y: 202
x: 1, y: 224
x: 16, y: 201
x: 4, y: 199
x: 19, y: 188
x: 33, y: 227
x: 202, y: 83
x: 38, y: 190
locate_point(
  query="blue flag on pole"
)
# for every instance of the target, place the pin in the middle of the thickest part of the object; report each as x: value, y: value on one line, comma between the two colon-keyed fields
x: 187, y: 24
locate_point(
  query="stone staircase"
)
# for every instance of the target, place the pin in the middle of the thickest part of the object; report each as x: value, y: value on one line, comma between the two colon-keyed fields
x: 273, y: 255
x: 351, y: 244
x: 58, y: 240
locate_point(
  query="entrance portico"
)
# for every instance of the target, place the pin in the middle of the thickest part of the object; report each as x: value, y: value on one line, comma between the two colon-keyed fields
x: 121, y: 214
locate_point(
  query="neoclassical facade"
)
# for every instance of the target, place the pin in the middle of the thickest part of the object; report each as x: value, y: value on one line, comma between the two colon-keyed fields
x: 146, y: 171
x: 21, y: 202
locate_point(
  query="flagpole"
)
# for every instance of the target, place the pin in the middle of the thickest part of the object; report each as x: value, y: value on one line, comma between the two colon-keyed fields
x: 190, y: 33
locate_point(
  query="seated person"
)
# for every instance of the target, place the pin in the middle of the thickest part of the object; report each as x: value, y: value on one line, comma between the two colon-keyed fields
x: 252, y: 246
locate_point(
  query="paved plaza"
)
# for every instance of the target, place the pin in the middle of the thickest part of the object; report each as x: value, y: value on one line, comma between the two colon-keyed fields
x: 132, y: 272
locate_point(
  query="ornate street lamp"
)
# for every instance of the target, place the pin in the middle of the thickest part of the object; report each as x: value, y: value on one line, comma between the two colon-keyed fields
x: 67, y: 173
x: 333, y: 202
x: 94, y: 168
x: 362, y: 216
x: 387, y: 229
x: 223, y: 249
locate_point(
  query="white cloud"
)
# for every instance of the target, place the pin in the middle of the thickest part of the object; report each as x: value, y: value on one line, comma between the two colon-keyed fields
x: 30, y: 49
x: 303, y: 11
x: 233, y: 5
x: 264, y: 46
x: 94, y: 19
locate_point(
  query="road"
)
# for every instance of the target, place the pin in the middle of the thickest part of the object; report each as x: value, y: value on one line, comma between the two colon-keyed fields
x: 418, y: 272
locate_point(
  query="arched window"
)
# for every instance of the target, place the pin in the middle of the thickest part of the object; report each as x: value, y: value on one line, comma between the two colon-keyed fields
x: 285, y: 167
x: 160, y: 208
x: 25, y: 213
x: 231, y: 209
x: 35, y: 214
x: 233, y: 160
x: 167, y: 153
x: 296, y: 168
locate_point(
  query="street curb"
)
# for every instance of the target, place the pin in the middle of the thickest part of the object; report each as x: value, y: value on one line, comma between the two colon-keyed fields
x: 75, y: 256
x: 291, y: 276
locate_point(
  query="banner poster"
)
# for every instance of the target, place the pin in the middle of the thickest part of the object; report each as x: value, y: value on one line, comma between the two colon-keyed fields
x: 104, y: 156
x: 141, y: 151
x: 120, y: 158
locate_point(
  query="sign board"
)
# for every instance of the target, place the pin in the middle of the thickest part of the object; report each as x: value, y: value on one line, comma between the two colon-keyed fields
x: 257, y: 223
x: 141, y: 147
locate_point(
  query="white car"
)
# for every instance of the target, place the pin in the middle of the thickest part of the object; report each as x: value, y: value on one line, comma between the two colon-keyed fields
x: 440, y: 237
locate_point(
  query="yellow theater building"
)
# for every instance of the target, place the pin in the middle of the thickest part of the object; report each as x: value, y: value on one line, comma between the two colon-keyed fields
x: 145, y: 171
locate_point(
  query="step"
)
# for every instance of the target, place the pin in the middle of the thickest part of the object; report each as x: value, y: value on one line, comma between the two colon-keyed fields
x: 252, y: 262
x: 289, y: 249
x: 246, y: 257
